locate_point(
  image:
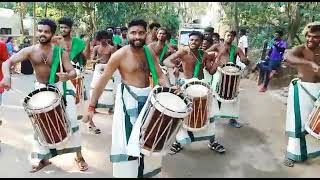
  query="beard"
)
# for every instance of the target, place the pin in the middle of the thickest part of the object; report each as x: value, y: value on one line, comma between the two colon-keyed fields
x: 137, y: 43
x: 44, y: 40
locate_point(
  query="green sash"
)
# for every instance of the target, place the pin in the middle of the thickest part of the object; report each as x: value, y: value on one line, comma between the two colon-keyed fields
x: 164, y: 50
x: 151, y: 64
x: 198, y: 63
x: 116, y: 39
x: 77, y: 46
x: 56, y: 55
x: 232, y: 53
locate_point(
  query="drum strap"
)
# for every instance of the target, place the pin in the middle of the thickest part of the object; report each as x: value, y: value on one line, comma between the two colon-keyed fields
x: 198, y: 63
x: 164, y: 50
x: 77, y: 46
x: 232, y: 53
x: 311, y: 96
x: 151, y: 64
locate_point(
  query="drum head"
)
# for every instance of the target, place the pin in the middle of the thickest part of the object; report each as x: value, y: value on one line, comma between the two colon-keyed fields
x: 197, y: 90
x: 231, y: 69
x: 171, y: 101
x: 42, y: 99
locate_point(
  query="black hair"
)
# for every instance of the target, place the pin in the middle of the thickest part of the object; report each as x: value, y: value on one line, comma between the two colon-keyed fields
x: 163, y: 29
x: 196, y: 33
x: 124, y: 28
x: 209, y: 29
x: 210, y: 40
x: 110, y: 27
x: 66, y: 20
x: 243, y: 31
x: 138, y: 22
x: 8, y: 39
x: 103, y: 34
x: 279, y: 32
x: 50, y: 23
x: 216, y: 35
x: 232, y: 32
x: 152, y: 25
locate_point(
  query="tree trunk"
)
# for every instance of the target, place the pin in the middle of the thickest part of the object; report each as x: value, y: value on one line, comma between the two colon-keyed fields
x: 46, y: 9
x: 294, y: 23
x: 34, y: 24
x: 21, y: 13
x: 236, y: 20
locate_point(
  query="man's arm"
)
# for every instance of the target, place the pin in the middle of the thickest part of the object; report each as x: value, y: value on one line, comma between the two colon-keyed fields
x: 95, y: 52
x: 174, y: 59
x: 68, y: 67
x: 214, y: 47
x: 243, y: 58
x: 295, y: 57
x: 18, y: 57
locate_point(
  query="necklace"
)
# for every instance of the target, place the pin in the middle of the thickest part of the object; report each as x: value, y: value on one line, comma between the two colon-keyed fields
x: 44, y: 59
x: 190, y: 52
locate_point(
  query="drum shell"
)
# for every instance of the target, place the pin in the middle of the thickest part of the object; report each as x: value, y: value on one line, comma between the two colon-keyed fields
x: 199, y: 115
x: 228, y: 83
x: 78, y: 84
x: 312, y: 126
x: 152, y: 134
x: 53, y: 123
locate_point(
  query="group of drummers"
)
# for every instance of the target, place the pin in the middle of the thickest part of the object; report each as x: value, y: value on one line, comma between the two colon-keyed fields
x: 161, y: 98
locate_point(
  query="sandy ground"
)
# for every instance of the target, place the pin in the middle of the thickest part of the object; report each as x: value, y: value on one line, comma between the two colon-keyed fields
x: 255, y: 150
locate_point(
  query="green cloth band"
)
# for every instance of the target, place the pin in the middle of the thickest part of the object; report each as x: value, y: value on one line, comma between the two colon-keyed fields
x: 232, y: 53
x: 151, y: 64
x: 198, y: 64
x: 164, y: 50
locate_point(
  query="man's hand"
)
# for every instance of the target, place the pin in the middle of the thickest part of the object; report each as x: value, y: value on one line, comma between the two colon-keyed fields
x: 177, y: 89
x: 5, y: 83
x: 91, y: 111
x: 314, y: 66
x: 63, y: 76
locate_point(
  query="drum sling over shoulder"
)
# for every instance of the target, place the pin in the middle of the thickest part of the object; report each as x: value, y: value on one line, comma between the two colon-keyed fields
x: 164, y: 50
x: 232, y: 53
x: 56, y: 55
x: 198, y: 63
x: 151, y: 65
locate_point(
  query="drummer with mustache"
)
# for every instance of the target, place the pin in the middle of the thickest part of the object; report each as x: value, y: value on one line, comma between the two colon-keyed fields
x: 303, y: 92
x: 193, y: 60
x: 134, y: 63
x: 227, y: 52
x: 45, y: 60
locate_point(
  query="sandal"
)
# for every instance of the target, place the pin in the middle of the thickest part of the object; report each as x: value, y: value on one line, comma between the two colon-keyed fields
x: 94, y: 129
x: 175, y: 148
x: 81, y: 164
x: 42, y: 164
x: 288, y: 162
x: 216, y: 147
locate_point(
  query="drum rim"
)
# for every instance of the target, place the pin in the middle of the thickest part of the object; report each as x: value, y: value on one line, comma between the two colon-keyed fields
x: 220, y: 69
x: 196, y: 82
x: 48, y: 88
x: 187, y: 100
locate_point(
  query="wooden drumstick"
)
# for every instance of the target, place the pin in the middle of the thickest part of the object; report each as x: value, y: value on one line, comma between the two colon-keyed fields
x: 61, y: 68
x: 19, y: 92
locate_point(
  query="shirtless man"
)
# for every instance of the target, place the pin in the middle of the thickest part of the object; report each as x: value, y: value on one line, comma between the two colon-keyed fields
x: 131, y: 95
x: 303, y: 92
x: 193, y: 61
x: 161, y: 49
x: 101, y: 55
x: 45, y: 66
x: 152, y: 35
x: 227, y: 52
x: 79, y: 51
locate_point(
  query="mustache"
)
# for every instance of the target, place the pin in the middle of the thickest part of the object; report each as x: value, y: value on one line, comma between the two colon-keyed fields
x: 42, y: 37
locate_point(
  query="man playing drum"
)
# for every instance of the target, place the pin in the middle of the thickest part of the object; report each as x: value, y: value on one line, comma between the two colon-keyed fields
x: 45, y: 61
x: 79, y: 51
x: 227, y: 52
x: 303, y: 92
x: 131, y: 96
x: 101, y: 55
x: 193, y: 60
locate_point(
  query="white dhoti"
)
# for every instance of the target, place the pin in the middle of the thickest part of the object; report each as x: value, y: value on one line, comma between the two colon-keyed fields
x: 222, y: 110
x: 107, y: 98
x: 301, y: 145
x: 127, y: 160
x: 72, y: 144
x: 186, y: 137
